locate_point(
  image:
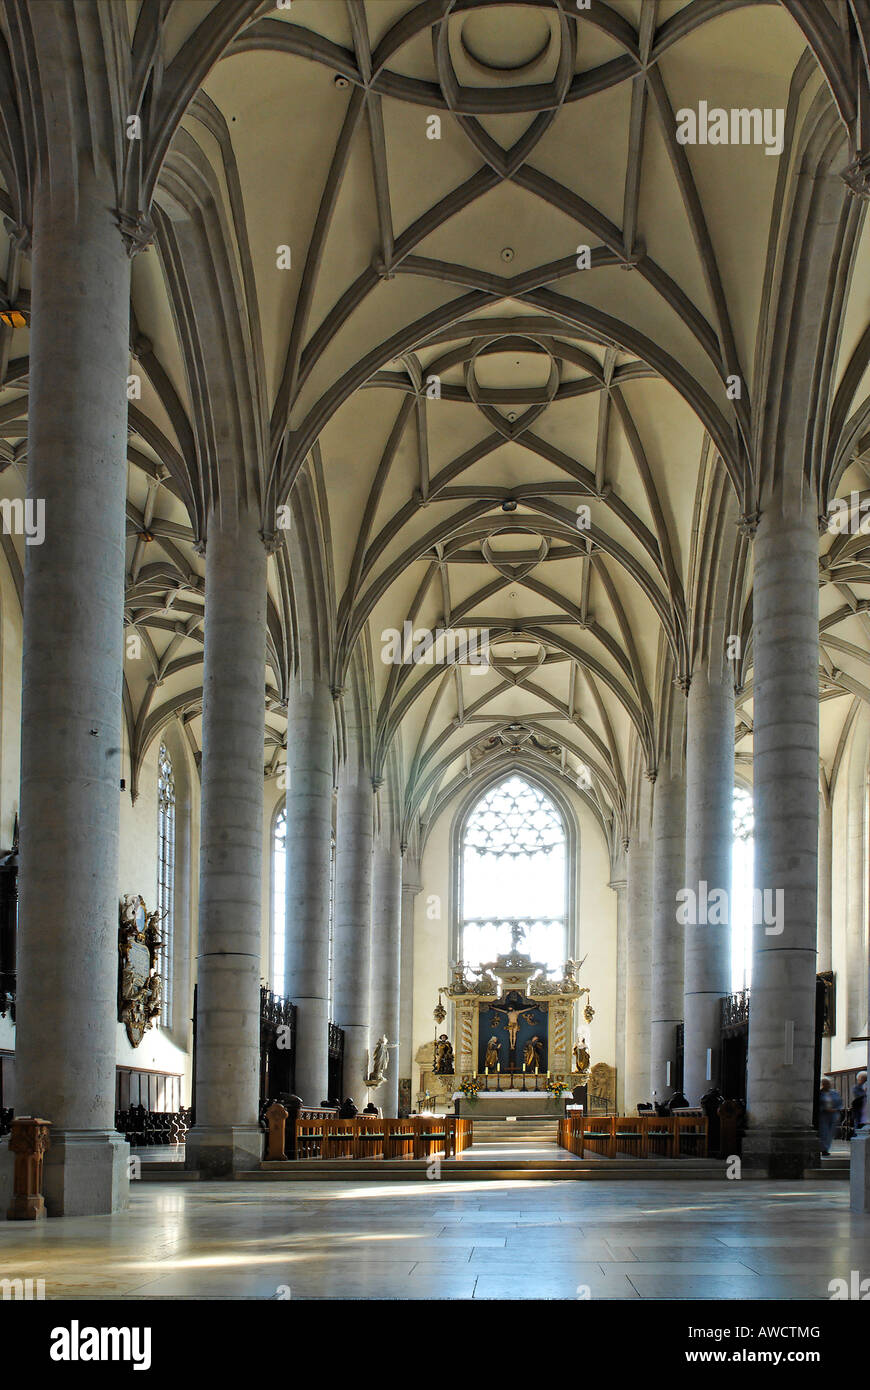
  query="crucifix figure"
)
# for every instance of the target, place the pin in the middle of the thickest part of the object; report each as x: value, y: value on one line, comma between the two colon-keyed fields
x: 513, y: 1021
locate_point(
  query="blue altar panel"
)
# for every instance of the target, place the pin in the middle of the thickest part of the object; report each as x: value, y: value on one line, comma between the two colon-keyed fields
x: 532, y: 1022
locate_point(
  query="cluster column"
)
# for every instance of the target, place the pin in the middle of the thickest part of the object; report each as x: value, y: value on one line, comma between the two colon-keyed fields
x: 226, y: 1136
x: 669, y: 875
x: 386, y: 963
x: 405, y: 1057
x: 620, y: 888
x: 353, y: 928
x: 637, y: 994
x: 709, y: 832
x: 310, y: 728
x: 71, y: 696
x: 780, y: 1137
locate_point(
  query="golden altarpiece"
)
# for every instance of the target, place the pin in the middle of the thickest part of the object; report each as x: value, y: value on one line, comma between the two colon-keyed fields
x: 514, y: 1030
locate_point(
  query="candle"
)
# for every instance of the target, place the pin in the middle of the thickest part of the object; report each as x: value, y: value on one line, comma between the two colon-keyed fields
x: 524, y: 1066
x: 486, y: 1071
x: 498, y: 1066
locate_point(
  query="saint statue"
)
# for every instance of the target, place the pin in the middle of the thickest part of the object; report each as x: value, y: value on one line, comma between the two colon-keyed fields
x: 377, y: 1069
x: 493, y: 1051
x: 532, y: 1053
x: 581, y: 1056
x: 443, y: 1056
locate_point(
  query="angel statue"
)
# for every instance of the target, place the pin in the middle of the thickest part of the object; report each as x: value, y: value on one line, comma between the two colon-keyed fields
x: 376, y: 1069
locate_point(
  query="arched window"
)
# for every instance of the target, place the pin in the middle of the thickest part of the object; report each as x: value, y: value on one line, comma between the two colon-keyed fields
x: 166, y: 873
x: 279, y: 899
x: 513, y: 876
x: 742, y: 876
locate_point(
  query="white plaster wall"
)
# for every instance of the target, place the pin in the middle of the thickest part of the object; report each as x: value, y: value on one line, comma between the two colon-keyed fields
x: 163, y: 1048
x: 596, y: 923
x: 849, y: 871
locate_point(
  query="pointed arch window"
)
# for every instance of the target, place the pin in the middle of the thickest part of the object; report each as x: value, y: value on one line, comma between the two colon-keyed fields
x: 166, y: 873
x: 514, y: 876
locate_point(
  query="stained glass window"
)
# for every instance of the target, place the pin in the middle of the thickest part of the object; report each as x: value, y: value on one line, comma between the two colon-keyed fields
x: 514, y: 876
x: 166, y: 873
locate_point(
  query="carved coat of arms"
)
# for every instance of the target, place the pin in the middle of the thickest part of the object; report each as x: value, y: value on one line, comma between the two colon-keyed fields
x: 140, y: 984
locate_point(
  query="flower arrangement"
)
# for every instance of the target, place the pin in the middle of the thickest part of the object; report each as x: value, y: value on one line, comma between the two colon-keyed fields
x: 556, y: 1088
x: 469, y: 1086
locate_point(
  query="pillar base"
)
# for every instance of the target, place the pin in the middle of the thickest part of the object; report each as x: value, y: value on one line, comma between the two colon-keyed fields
x: 218, y: 1151
x: 85, y: 1172
x: 781, y: 1153
x: 859, y: 1171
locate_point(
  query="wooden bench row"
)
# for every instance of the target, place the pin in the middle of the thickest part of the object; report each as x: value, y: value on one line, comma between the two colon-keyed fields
x: 646, y: 1136
x: 368, y: 1136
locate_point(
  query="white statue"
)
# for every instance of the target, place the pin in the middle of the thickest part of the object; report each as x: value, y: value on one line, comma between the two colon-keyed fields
x: 376, y: 1068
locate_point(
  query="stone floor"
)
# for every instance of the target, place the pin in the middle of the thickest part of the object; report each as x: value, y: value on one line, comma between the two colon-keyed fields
x: 480, y: 1240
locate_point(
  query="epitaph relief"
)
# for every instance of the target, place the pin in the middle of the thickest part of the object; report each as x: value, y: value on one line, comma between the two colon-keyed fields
x: 140, y: 984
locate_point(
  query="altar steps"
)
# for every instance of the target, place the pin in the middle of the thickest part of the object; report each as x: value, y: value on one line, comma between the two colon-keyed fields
x: 566, y: 1169
x: 525, y: 1131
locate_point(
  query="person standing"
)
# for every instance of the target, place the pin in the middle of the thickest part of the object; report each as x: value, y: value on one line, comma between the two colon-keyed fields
x: 830, y: 1110
x: 859, y: 1101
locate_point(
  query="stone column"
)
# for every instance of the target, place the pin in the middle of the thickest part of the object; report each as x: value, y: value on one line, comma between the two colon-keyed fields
x: 386, y: 964
x: 669, y: 876
x: 637, y: 995
x: 226, y: 1136
x: 71, y: 696
x: 410, y: 888
x: 353, y: 919
x: 709, y: 833
x: 619, y: 886
x: 786, y: 798
x: 310, y: 731
x: 824, y: 941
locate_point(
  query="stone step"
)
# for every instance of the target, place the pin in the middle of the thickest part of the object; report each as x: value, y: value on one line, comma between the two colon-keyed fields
x: 457, y: 1170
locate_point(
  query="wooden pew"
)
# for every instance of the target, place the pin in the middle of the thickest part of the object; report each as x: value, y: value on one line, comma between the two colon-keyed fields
x: 369, y: 1136
x: 690, y: 1136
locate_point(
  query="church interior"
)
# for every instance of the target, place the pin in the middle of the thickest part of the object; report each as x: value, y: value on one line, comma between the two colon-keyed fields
x: 434, y: 650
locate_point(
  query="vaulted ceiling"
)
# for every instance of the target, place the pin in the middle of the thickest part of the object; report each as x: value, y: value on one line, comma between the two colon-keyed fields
x: 448, y: 275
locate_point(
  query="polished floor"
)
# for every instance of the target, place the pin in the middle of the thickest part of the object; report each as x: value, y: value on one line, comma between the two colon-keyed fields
x: 430, y: 1240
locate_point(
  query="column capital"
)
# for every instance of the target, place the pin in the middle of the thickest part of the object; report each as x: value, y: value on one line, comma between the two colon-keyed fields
x: 20, y: 234
x: 272, y: 540
x: 747, y: 524
x: 137, y: 230
x: 856, y: 175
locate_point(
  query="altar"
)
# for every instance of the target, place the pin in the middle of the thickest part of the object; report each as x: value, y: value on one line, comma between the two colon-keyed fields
x: 517, y: 1031
x: 496, y: 1105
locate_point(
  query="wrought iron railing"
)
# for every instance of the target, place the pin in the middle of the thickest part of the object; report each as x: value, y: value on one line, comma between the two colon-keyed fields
x: 735, y: 1009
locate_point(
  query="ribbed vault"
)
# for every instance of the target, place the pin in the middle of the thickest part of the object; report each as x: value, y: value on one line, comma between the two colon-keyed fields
x: 437, y: 290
